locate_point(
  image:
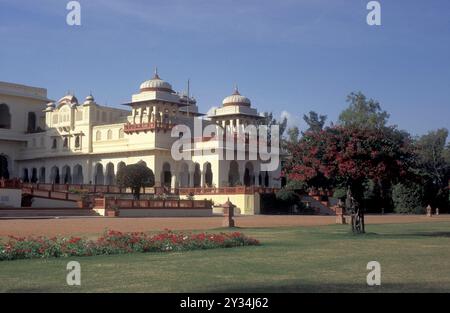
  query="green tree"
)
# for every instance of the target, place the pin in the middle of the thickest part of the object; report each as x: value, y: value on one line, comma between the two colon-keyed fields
x: 293, y: 135
x: 315, y: 121
x: 363, y: 112
x: 408, y: 198
x: 135, y: 176
x: 269, y: 120
x: 434, y: 166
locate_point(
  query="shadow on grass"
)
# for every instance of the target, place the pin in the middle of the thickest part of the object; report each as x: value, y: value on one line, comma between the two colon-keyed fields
x: 407, y: 235
x: 299, y: 287
x: 289, y: 287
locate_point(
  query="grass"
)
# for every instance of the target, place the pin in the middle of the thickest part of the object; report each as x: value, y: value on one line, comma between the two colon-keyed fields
x: 413, y: 257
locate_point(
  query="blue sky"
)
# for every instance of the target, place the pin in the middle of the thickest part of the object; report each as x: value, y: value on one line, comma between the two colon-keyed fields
x: 286, y: 55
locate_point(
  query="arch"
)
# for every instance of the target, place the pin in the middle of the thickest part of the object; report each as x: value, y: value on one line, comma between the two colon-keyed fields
x: 120, y: 166
x: 25, y: 176
x: 207, y: 169
x: 98, y: 135
x: 121, y: 134
x: 78, y: 174
x: 4, y: 169
x: 54, y: 175
x: 54, y: 143
x: 110, y: 176
x: 266, y: 179
x: 184, y: 175
x: 197, y: 175
x: 5, y: 116
x: 166, y: 175
x: 34, y: 175
x: 66, y: 175
x: 249, y: 175
x: 66, y: 142
x: 99, y: 177
x: 233, y: 174
x: 31, y: 122
x: 109, y: 134
x: 42, y: 175
x: 77, y: 141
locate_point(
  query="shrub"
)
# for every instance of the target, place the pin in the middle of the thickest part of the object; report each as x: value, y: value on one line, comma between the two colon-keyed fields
x: 408, y: 198
x: 114, y: 242
x: 340, y: 193
x: 289, y: 197
x: 296, y: 185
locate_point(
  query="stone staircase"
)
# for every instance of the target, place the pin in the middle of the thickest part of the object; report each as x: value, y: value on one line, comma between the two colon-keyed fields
x: 321, y: 207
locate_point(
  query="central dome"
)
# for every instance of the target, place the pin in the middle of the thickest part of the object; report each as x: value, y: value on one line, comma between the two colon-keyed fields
x: 236, y: 99
x: 156, y: 84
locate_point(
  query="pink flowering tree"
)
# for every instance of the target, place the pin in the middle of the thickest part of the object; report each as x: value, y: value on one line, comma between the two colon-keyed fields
x: 348, y: 156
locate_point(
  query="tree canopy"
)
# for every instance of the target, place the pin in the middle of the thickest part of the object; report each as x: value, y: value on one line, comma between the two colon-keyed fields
x: 135, y: 176
x: 363, y: 112
x: 314, y: 121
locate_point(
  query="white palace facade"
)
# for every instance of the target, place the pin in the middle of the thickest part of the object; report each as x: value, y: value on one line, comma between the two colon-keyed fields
x: 83, y: 142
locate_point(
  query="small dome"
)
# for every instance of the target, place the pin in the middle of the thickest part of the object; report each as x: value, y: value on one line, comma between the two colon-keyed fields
x: 184, y: 99
x: 156, y: 84
x: 89, y: 100
x: 236, y: 99
x: 68, y: 99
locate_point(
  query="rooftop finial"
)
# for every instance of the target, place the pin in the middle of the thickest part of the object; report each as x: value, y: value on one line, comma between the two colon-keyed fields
x: 236, y: 90
x: 156, y: 73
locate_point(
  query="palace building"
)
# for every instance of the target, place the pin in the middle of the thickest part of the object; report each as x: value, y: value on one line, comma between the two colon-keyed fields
x: 74, y: 141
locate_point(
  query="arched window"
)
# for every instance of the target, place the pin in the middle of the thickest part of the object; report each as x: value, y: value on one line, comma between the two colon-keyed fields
x: 4, y: 171
x: 5, y: 116
x: 77, y: 141
x: 55, y: 143
x: 66, y: 143
x: 109, y: 134
x: 31, y: 122
x: 121, y: 133
x: 98, y: 135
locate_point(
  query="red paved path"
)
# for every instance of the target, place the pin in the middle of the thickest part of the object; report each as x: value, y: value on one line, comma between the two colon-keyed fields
x: 96, y: 225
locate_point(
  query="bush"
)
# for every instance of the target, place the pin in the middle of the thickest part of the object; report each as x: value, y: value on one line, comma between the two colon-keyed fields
x: 289, y: 197
x: 296, y: 185
x: 340, y: 193
x: 408, y: 199
x: 114, y: 242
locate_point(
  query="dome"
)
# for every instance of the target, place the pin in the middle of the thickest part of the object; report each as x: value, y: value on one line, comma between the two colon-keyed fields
x: 89, y: 100
x: 156, y: 84
x: 68, y: 99
x: 236, y: 99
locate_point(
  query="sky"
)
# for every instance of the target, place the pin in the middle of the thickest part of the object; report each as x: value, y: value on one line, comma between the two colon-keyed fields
x: 288, y: 56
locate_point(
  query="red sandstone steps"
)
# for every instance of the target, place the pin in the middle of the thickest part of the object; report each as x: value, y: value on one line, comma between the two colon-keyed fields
x: 45, y: 212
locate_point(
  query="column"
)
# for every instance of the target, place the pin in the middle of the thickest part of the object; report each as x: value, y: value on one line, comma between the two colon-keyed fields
x: 174, y: 182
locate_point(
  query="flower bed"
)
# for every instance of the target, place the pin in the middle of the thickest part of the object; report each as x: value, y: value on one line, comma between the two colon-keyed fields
x: 114, y: 242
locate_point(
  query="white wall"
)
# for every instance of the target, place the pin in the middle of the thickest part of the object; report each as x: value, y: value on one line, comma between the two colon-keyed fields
x: 10, y: 198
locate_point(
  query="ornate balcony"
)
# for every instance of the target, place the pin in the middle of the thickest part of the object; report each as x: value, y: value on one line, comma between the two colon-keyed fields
x: 145, y: 127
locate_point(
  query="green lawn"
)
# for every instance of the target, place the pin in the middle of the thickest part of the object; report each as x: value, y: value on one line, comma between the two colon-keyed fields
x: 413, y: 257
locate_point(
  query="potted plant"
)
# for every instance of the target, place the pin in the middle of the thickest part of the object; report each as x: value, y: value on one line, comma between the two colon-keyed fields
x: 113, y: 211
x: 84, y: 197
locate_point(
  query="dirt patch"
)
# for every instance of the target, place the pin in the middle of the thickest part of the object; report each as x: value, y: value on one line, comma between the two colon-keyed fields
x: 96, y: 225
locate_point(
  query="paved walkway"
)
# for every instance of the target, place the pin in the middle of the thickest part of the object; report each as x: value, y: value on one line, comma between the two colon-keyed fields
x: 96, y: 225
